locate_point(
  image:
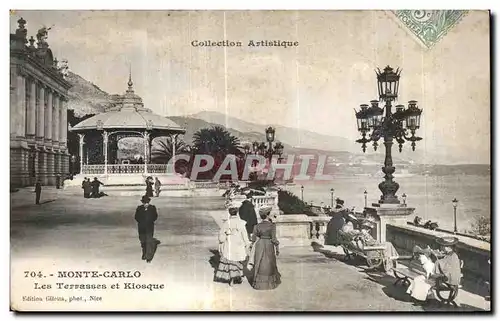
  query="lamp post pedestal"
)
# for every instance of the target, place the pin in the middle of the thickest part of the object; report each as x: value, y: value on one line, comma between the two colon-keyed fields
x: 388, y: 213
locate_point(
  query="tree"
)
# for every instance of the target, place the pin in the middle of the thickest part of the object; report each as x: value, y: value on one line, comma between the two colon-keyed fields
x: 218, y: 143
x: 481, y: 225
x: 162, y: 150
x: 215, y: 141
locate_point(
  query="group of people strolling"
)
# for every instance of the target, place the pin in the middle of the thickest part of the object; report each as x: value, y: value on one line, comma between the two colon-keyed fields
x: 244, y: 243
x: 91, y: 189
x: 150, y: 183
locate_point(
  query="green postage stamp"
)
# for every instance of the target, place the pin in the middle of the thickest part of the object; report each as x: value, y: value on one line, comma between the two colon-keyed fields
x: 429, y: 26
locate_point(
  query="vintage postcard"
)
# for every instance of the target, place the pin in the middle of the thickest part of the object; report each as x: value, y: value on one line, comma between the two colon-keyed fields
x: 250, y: 160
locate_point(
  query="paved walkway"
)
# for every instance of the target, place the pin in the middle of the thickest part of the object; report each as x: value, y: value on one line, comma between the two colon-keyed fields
x: 68, y: 233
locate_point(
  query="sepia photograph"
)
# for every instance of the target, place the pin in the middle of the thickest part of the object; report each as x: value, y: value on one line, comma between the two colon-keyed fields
x: 250, y: 160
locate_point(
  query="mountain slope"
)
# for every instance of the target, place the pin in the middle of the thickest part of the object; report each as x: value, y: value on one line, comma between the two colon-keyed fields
x: 85, y: 97
x: 290, y: 136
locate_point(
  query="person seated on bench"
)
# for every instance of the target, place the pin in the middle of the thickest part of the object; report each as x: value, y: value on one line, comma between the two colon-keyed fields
x: 349, y: 226
x: 367, y: 225
x: 445, y: 273
x: 448, y: 268
x: 419, y: 287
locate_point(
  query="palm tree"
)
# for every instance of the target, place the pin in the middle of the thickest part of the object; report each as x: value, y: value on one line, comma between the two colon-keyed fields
x: 215, y: 141
x: 162, y: 151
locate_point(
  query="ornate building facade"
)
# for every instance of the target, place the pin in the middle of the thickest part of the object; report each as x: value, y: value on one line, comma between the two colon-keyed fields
x: 38, y: 111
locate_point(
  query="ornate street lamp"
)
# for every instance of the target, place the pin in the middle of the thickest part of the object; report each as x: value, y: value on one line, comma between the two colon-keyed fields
x: 404, y: 198
x: 302, y: 192
x: 331, y: 196
x: 455, y: 204
x: 270, y: 131
x: 366, y: 198
x: 374, y: 123
x: 255, y: 147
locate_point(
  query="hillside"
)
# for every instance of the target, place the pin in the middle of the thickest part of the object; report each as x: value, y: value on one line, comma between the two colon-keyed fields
x: 85, y: 97
x: 290, y: 136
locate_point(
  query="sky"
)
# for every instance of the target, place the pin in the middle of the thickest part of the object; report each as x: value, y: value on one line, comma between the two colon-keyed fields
x: 313, y: 86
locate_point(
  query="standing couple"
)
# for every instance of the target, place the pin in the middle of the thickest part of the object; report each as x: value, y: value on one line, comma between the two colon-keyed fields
x: 235, y: 246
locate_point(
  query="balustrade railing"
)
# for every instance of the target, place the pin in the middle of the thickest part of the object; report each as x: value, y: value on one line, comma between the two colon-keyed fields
x: 93, y: 169
x: 206, y: 184
x: 261, y: 201
x: 157, y: 168
x: 125, y: 169
x: 318, y: 229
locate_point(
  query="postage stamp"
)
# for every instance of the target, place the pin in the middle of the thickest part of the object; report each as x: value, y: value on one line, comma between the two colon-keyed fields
x: 429, y: 26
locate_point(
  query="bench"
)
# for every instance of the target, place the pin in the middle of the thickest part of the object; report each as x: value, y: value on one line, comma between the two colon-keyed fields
x: 373, y: 254
x: 405, y: 274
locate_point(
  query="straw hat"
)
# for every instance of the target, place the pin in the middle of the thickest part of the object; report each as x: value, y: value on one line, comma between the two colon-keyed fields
x: 447, y: 241
x: 265, y: 210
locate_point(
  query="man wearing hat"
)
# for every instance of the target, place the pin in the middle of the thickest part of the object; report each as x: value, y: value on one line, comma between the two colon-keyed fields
x: 247, y: 214
x: 339, y: 207
x: 146, y: 216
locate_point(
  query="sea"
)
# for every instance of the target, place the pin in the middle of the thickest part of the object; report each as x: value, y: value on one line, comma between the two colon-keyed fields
x: 431, y: 196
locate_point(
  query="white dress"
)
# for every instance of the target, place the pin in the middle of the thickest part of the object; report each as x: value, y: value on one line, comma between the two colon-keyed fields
x: 233, y: 239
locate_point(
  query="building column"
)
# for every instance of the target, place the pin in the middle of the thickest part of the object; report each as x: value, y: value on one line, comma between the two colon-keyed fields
x: 105, y: 149
x: 50, y: 168
x: 31, y: 114
x: 18, y: 115
x: 40, y: 121
x: 42, y: 167
x: 55, y: 120
x: 63, y: 122
x: 146, y: 147
x: 48, y: 117
x: 81, y: 136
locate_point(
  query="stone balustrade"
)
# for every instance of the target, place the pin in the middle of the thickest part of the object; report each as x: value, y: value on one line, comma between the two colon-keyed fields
x: 264, y: 200
x: 474, y: 253
x: 318, y: 228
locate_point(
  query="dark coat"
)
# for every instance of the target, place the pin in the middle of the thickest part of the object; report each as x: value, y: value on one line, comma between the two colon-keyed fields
x: 87, y: 188
x: 95, y: 185
x: 146, y: 218
x: 247, y: 214
x: 332, y: 229
x: 38, y: 188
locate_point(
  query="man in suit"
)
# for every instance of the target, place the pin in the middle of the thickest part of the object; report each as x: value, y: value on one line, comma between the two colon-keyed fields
x: 95, y: 187
x: 38, y: 191
x: 248, y: 214
x: 146, y: 216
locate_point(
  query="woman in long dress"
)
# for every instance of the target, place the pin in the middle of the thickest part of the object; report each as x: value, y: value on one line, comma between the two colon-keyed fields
x: 149, y: 187
x: 233, y: 247
x: 265, y: 248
